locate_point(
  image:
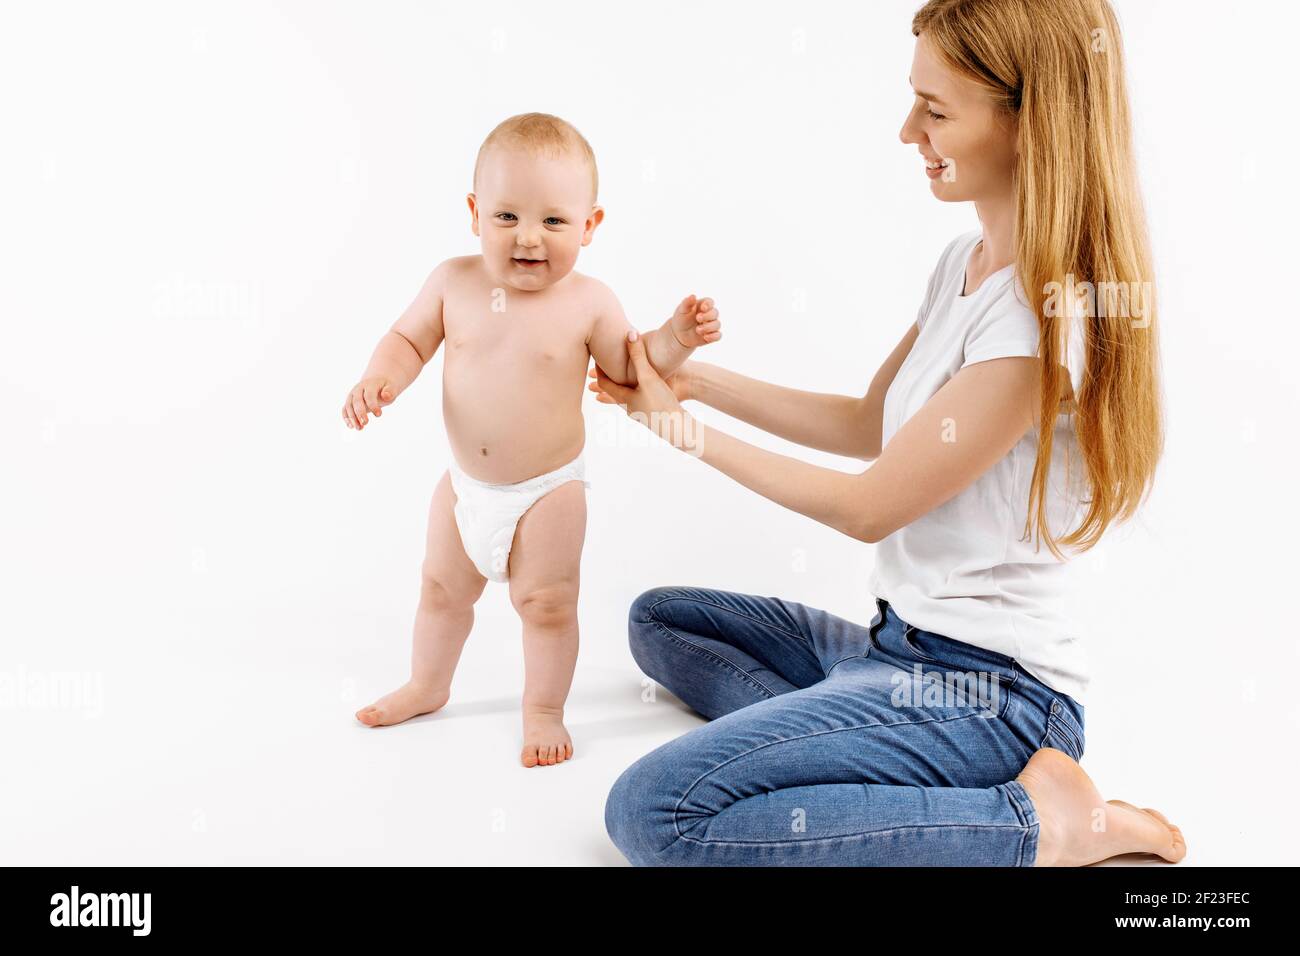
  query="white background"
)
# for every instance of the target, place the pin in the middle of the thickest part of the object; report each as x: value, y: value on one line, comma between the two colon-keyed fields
x: 211, y: 214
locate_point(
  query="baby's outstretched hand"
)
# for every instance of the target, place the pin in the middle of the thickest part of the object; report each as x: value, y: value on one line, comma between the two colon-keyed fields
x: 696, y: 322
x: 367, y: 396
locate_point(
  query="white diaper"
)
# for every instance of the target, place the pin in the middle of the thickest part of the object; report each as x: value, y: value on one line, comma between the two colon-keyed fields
x: 487, y: 514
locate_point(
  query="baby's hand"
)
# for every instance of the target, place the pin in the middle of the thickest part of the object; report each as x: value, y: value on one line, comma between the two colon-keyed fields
x: 368, y: 395
x: 696, y: 322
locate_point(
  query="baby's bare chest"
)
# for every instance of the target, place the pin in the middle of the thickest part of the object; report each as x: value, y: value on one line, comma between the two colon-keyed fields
x: 487, y: 330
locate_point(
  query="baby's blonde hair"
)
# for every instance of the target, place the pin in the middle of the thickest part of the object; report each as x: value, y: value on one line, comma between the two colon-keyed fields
x: 542, y: 134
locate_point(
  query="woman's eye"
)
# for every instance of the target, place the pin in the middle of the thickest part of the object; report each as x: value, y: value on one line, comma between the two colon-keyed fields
x: 507, y: 216
x: 934, y: 115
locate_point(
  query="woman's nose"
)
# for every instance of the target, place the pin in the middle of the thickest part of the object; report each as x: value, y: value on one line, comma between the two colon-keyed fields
x: 908, y: 133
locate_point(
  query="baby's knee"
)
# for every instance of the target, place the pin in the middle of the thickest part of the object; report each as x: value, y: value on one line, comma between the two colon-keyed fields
x: 439, y: 593
x: 552, y: 607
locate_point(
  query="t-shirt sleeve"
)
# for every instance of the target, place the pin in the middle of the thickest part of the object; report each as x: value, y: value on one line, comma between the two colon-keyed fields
x: 1006, y: 329
x: 928, y: 301
x: 937, y: 278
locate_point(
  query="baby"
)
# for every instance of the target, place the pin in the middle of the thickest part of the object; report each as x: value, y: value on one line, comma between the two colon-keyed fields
x: 520, y: 326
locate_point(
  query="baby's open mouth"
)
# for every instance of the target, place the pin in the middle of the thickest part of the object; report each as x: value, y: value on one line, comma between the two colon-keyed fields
x: 528, y: 262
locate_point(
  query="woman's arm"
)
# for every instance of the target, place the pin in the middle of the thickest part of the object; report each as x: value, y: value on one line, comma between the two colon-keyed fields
x: 963, y: 430
x: 839, y: 424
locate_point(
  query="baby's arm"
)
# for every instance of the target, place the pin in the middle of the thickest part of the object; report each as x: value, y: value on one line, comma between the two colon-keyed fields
x: 694, y: 323
x: 401, y: 354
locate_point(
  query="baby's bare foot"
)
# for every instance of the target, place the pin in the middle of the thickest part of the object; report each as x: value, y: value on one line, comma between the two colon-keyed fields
x: 1077, y: 827
x: 546, y: 742
x: 409, y: 700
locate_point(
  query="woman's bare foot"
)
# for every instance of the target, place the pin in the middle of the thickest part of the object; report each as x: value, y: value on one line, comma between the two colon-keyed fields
x: 546, y: 742
x: 1078, y: 827
x: 409, y: 700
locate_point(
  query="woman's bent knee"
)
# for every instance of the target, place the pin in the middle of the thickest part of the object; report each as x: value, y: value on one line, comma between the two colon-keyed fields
x: 642, y: 609
x: 644, y: 629
x: 639, y: 812
x: 626, y: 817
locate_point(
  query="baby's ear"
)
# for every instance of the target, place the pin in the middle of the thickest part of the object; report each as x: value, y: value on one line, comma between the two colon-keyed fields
x: 473, y: 212
x: 595, y: 219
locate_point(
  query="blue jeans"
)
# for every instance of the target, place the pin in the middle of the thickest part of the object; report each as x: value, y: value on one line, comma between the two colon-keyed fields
x: 830, y: 743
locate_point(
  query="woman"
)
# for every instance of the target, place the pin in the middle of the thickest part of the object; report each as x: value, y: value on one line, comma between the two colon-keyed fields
x: 948, y: 731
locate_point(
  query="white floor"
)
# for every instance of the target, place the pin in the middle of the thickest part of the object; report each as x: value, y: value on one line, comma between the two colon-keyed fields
x: 186, y: 524
x: 242, y: 753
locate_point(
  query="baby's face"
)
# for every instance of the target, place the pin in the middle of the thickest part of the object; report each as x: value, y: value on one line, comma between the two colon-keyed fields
x: 533, y: 213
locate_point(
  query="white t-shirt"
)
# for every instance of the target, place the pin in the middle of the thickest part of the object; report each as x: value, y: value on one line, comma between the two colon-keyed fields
x: 961, y: 570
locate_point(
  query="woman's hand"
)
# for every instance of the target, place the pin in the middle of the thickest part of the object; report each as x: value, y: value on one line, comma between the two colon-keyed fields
x: 682, y: 382
x: 653, y: 402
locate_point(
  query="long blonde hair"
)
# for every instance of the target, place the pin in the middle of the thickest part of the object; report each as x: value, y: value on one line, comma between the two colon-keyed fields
x: 1058, y: 66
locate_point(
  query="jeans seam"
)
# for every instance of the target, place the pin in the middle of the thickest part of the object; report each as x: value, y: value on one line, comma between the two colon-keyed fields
x: 898, y: 723
x: 1024, y: 808
x: 849, y: 657
x: 753, y: 620
x: 740, y: 672
x: 850, y: 836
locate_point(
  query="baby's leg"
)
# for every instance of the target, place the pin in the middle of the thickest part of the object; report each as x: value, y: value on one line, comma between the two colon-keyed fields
x: 544, y: 560
x: 449, y: 586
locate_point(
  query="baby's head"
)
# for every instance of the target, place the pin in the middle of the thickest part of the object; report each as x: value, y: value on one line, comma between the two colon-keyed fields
x: 534, y: 200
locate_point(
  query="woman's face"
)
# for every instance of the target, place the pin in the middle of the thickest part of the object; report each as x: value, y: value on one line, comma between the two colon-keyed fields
x: 958, y: 132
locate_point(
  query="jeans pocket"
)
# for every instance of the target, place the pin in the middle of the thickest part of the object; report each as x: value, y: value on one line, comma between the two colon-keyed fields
x: 912, y: 645
x: 966, y: 677
x: 985, y: 674
x: 1063, y: 731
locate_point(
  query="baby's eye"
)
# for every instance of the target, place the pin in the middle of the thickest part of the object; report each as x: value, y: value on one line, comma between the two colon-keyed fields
x: 934, y: 115
x: 554, y: 221
x: 507, y: 216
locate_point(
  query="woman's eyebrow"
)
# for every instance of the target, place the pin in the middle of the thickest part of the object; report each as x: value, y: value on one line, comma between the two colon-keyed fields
x: 927, y: 96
